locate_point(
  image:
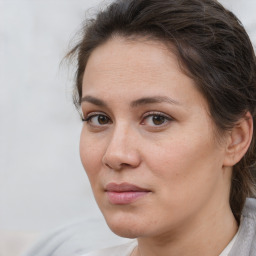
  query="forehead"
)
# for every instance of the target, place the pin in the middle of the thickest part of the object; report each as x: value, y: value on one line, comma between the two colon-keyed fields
x: 133, y: 50
x: 125, y: 58
x: 136, y: 67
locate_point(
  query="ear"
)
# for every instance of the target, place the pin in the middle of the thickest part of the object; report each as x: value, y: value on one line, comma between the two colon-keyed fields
x: 239, y: 140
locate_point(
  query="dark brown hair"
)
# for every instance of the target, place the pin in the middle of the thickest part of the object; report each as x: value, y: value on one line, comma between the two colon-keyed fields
x: 211, y: 45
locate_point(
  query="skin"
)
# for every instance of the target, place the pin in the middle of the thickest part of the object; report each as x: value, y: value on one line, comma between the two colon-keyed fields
x: 177, y: 157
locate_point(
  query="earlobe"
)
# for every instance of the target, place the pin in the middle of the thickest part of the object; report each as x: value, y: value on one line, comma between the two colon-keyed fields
x: 239, y: 140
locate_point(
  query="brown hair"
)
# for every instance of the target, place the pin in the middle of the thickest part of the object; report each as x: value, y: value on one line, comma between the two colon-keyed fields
x: 212, y: 46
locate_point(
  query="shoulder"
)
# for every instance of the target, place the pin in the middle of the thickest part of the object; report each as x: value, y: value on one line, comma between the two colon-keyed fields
x: 245, y: 244
x: 249, y: 210
x: 76, y: 238
x: 120, y: 250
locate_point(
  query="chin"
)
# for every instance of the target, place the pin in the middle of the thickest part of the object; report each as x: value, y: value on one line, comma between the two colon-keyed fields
x: 124, y: 232
x: 125, y: 225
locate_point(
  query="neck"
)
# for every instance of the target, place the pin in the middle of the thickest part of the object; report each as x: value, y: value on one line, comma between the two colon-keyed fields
x: 206, y: 236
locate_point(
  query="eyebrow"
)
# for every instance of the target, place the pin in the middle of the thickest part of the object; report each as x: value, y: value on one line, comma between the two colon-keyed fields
x: 94, y: 101
x: 155, y: 99
x: 136, y: 103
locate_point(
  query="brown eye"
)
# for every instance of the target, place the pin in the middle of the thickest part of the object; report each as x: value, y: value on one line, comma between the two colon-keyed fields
x: 97, y: 120
x: 103, y: 119
x: 158, y: 120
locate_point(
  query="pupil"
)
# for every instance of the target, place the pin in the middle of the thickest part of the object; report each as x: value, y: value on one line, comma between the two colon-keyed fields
x: 157, y: 120
x: 102, y: 119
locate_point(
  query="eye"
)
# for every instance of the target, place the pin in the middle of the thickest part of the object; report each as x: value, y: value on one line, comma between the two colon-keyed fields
x: 97, y: 119
x: 156, y: 119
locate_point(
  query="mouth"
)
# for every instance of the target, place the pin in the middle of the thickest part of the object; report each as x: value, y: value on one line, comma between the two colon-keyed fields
x: 124, y: 193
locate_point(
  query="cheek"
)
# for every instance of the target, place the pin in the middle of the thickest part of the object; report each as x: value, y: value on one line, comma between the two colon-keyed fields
x: 182, y: 173
x: 185, y: 165
x: 90, y: 154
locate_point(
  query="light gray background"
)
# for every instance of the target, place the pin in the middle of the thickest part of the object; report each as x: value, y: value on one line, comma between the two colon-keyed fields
x: 42, y: 183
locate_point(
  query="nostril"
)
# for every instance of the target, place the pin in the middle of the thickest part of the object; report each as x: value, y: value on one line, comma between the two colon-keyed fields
x: 115, y: 159
x: 116, y: 164
x: 108, y: 166
x: 124, y: 164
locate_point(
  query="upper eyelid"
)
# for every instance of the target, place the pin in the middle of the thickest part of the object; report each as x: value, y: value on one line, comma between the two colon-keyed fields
x: 94, y: 113
x: 89, y: 117
x: 152, y: 113
x: 143, y: 116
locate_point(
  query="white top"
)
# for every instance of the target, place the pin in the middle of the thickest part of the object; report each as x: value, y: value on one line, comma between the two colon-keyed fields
x: 126, y: 249
x: 227, y: 250
x: 121, y: 250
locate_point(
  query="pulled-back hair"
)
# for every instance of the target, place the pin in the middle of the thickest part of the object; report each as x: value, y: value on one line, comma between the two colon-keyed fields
x: 214, y: 50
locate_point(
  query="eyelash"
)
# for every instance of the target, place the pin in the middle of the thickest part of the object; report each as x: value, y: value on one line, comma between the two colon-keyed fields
x: 166, y: 118
x: 92, y: 115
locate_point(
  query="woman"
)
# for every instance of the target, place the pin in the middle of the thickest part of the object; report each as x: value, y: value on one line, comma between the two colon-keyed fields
x: 167, y: 93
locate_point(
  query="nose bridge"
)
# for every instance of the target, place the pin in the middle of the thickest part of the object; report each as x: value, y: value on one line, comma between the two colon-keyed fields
x: 121, y: 149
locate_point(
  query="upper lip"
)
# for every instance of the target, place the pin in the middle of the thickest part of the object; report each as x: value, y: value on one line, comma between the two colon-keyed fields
x: 124, y: 187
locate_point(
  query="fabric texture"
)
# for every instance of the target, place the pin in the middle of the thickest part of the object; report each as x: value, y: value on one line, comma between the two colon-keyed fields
x: 227, y: 250
x: 121, y: 250
x: 76, y: 238
x: 245, y: 244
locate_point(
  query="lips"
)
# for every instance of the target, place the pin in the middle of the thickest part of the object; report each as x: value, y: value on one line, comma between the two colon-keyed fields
x: 124, y: 193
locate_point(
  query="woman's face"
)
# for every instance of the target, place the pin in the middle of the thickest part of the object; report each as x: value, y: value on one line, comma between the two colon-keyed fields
x: 148, y: 144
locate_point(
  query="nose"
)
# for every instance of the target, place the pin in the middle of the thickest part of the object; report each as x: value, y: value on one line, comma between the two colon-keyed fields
x: 122, y: 150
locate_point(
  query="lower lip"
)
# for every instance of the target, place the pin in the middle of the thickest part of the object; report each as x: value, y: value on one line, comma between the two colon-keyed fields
x: 125, y: 197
